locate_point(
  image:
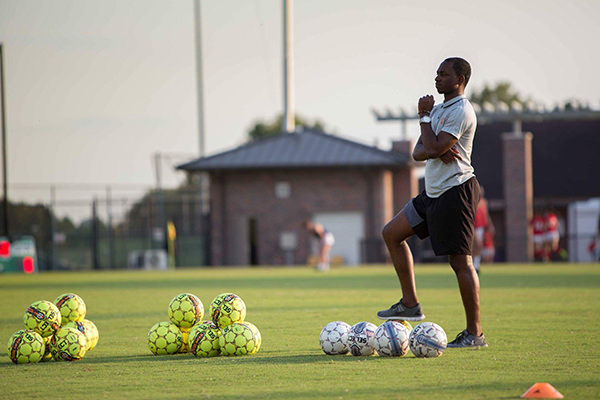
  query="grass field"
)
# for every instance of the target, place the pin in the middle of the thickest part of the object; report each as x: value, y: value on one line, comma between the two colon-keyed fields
x: 542, y: 323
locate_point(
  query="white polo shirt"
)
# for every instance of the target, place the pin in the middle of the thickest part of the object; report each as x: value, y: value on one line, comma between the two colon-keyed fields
x: 456, y: 117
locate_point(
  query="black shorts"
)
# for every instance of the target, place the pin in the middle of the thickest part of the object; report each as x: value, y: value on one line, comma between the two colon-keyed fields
x: 448, y: 219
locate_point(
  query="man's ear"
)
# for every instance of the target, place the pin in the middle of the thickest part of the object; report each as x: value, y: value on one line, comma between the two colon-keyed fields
x: 461, y: 80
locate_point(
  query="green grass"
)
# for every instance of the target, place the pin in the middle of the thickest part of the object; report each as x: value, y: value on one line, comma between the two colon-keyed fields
x: 541, y: 321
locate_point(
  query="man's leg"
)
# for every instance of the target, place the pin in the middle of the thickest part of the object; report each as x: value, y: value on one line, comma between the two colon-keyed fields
x: 468, y: 283
x: 395, y: 234
x: 323, y: 264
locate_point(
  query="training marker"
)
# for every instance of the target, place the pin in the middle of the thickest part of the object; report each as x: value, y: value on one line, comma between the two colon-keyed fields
x: 542, y: 391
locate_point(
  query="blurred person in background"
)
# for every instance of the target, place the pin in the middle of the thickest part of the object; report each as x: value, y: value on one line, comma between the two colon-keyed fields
x: 326, y: 241
x: 551, y: 235
x: 481, y: 223
x: 538, y: 226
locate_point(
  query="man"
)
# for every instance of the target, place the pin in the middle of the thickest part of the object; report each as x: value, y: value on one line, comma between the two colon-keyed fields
x: 326, y: 241
x: 551, y: 234
x: 445, y: 211
x: 538, y: 226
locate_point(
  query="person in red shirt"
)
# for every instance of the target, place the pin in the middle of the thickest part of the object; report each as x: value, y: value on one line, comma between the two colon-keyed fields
x: 488, y: 251
x: 551, y: 235
x: 538, y: 225
x: 481, y: 223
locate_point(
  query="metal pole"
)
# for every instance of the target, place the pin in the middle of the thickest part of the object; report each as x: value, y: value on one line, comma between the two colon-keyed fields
x: 95, y: 261
x: 5, y: 231
x: 199, y: 75
x: 288, y: 68
x: 52, y: 227
x: 111, y: 243
x: 160, y: 202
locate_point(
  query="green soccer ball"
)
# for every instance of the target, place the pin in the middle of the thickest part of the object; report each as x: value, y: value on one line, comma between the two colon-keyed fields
x: 43, y: 317
x: 88, y: 329
x: 47, y: 352
x: 164, y: 338
x: 71, y: 307
x: 68, y: 344
x: 226, y: 309
x: 237, y: 340
x: 91, y: 333
x: 185, y: 333
x: 26, y: 346
x: 204, y: 340
x: 405, y: 323
x: 257, y: 335
x: 185, y: 310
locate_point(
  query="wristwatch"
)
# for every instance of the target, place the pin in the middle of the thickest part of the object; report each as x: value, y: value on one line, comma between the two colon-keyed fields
x: 425, y: 119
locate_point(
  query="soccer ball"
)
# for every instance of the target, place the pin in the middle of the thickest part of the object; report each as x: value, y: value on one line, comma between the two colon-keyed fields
x: 334, y: 338
x: 391, y: 339
x: 360, y: 339
x: 405, y: 323
x: 428, y: 340
x: 42, y: 317
x: 71, y: 307
x: 68, y: 344
x: 204, y: 340
x: 164, y: 338
x: 185, y: 332
x: 227, y: 308
x: 257, y: 335
x: 47, y: 352
x: 91, y: 333
x: 236, y: 340
x: 88, y: 329
x: 185, y: 310
x: 26, y: 346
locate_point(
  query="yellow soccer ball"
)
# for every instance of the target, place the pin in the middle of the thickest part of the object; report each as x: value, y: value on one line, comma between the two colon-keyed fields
x: 237, y: 340
x: 164, y: 338
x: 185, y: 333
x: 42, y: 317
x: 68, y: 344
x: 71, y: 307
x: 204, y: 340
x: 257, y: 336
x: 227, y: 308
x: 88, y: 329
x: 26, y: 346
x: 185, y: 310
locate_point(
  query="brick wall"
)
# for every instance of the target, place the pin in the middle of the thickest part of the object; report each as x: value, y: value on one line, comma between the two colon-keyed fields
x: 518, y: 196
x: 237, y: 196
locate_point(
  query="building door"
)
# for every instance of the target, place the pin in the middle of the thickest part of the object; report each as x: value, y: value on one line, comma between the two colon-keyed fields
x: 238, y: 246
x: 348, y: 229
x: 253, y: 240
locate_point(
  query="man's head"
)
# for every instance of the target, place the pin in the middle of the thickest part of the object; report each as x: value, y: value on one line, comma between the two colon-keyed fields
x: 452, y: 75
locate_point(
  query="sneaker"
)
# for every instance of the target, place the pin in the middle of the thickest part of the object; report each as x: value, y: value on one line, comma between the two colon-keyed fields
x: 400, y: 311
x: 465, y: 339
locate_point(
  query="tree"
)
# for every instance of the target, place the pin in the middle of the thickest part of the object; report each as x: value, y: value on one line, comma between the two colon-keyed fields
x: 262, y: 129
x: 501, y: 92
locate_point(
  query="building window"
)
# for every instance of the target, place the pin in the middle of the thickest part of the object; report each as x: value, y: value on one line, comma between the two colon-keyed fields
x: 283, y: 190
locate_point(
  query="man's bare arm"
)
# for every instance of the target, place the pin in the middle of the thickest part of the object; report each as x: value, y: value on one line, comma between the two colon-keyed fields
x: 419, y: 153
x: 433, y: 145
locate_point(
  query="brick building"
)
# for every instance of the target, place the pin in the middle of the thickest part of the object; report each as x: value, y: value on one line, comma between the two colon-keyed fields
x: 261, y: 192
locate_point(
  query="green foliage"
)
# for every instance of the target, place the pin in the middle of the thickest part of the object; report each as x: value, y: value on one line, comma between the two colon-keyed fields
x: 501, y: 92
x: 262, y: 129
x: 541, y: 322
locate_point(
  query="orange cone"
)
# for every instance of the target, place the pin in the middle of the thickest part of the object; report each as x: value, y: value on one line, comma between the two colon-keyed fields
x: 542, y: 391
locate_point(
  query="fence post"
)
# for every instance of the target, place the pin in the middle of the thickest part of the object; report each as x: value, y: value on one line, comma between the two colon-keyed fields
x: 95, y: 263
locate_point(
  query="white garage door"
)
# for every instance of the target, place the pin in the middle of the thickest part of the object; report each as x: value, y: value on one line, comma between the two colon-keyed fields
x: 348, y: 229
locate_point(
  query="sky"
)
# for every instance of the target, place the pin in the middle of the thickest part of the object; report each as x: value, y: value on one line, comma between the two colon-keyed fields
x: 94, y: 89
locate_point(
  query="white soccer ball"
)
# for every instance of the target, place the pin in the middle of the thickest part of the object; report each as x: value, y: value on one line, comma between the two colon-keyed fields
x: 360, y: 339
x: 334, y: 338
x: 428, y: 340
x: 391, y: 339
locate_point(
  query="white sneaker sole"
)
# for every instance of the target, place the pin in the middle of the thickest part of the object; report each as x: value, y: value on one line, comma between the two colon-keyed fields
x: 421, y: 318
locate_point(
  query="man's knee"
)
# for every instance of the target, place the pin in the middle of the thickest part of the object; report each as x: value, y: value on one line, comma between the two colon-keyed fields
x: 460, y: 262
x: 388, y: 233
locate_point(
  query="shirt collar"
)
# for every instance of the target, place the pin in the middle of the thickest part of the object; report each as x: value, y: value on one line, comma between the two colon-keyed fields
x: 450, y: 102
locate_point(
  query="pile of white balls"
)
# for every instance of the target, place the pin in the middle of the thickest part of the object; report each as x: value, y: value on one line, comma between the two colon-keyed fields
x: 391, y: 339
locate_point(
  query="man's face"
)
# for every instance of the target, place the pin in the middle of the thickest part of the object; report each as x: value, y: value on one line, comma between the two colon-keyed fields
x: 446, y: 80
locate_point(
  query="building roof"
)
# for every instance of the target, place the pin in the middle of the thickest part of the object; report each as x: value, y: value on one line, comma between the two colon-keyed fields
x: 303, y: 149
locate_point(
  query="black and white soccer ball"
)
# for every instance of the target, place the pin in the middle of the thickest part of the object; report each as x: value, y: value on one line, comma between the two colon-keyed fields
x: 428, y: 340
x: 334, y: 338
x: 391, y: 339
x: 360, y: 339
